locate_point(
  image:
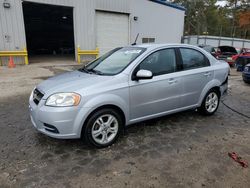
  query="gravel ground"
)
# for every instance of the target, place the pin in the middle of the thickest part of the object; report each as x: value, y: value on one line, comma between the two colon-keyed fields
x: 180, y: 150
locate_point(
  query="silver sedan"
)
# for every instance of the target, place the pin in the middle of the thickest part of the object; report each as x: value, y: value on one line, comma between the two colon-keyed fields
x: 125, y: 86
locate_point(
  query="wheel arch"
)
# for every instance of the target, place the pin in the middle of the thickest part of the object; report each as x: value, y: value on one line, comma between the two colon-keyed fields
x: 214, y: 84
x: 105, y: 106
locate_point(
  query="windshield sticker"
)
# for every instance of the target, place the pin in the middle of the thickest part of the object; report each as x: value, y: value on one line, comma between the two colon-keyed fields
x: 132, y: 52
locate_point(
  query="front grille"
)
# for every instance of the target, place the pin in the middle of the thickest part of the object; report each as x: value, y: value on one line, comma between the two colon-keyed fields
x: 37, y: 96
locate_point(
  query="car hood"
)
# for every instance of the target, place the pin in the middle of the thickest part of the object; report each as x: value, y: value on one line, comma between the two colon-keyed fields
x: 70, y: 82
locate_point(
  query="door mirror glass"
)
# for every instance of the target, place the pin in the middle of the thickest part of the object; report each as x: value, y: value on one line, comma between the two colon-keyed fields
x: 144, y: 74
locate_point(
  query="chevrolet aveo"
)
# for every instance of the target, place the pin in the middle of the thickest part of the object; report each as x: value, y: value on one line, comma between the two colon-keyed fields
x: 125, y: 86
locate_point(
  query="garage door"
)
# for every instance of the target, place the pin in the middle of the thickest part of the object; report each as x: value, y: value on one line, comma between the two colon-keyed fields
x: 112, y: 30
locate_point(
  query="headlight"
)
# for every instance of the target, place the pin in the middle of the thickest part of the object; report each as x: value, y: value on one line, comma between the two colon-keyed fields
x: 63, y: 99
x: 229, y: 58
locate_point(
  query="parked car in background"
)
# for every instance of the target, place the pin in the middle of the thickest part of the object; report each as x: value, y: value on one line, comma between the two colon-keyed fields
x: 226, y: 53
x: 209, y: 49
x: 238, y: 50
x: 246, y: 74
x: 125, y: 86
x: 242, y: 61
x: 242, y: 51
x: 245, y: 51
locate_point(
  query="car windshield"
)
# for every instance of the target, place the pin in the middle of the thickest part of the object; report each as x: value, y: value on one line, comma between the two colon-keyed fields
x: 114, y: 61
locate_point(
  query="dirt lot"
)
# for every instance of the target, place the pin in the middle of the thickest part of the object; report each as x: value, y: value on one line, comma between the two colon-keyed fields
x: 181, y: 150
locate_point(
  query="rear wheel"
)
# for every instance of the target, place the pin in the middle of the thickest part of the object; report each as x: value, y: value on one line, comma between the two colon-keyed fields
x: 103, y: 128
x: 210, y: 103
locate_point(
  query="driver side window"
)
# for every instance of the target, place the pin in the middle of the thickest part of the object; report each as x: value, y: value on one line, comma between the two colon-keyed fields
x: 160, y: 62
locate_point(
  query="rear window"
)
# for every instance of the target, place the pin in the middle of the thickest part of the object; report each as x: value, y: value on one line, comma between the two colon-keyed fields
x: 192, y: 59
x: 227, y: 49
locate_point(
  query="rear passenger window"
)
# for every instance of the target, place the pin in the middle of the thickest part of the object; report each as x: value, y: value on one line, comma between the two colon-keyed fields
x: 160, y: 62
x: 193, y: 59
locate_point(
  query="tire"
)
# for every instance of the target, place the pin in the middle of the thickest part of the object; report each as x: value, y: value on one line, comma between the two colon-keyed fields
x: 99, y: 132
x: 210, y: 107
x: 247, y: 82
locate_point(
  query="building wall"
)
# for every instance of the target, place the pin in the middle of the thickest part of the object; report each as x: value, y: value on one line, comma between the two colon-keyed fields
x: 12, y: 30
x: 12, y: 33
x: 150, y: 15
x: 122, y: 6
x: 11, y: 27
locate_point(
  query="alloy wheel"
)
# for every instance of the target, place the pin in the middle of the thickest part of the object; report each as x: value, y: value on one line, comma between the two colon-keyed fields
x: 105, y: 129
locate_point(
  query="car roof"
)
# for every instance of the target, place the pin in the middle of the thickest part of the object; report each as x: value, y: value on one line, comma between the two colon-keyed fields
x: 204, y: 45
x: 154, y: 45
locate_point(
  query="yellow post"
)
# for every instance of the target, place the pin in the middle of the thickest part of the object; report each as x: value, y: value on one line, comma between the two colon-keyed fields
x: 26, y: 57
x: 78, y: 55
x: 97, y: 50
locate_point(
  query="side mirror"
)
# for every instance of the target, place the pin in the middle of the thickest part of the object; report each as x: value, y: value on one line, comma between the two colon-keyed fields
x: 143, y: 75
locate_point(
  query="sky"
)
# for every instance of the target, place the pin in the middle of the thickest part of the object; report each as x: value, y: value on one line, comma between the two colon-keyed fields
x: 224, y: 3
x: 221, y: 3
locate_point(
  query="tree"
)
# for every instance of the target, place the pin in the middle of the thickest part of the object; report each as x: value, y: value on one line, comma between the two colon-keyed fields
x: 201, y: 16
x: 205, y: 17
x: 244, y: 19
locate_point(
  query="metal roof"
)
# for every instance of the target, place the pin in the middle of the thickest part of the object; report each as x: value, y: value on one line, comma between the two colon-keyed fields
x: 166, y: 3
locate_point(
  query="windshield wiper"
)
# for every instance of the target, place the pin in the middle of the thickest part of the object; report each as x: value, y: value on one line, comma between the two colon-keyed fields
x: 95, y: 71
x: 91, y: 71
x: 84, y: 70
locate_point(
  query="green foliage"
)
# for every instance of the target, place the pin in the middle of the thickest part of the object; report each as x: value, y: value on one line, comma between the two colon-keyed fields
x: 206, y: 17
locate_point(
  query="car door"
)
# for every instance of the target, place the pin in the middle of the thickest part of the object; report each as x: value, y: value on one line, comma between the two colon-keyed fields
x: 196, y: 73
x: 162, y: 92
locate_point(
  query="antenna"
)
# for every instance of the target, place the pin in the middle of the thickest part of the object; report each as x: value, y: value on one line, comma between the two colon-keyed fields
x: 135, y: 40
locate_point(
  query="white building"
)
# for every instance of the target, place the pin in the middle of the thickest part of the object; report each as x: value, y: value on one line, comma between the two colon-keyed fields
x: 59, y: 26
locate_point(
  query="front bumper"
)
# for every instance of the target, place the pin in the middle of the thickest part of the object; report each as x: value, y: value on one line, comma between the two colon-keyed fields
x: 67, y: 121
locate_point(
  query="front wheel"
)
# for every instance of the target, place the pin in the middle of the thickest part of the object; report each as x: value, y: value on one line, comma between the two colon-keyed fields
x: 103, y: 128
x: 210, y: 103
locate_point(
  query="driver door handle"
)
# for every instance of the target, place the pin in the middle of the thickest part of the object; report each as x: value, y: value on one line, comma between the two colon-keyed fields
x: 207, y: 74
x: 172, y: 81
